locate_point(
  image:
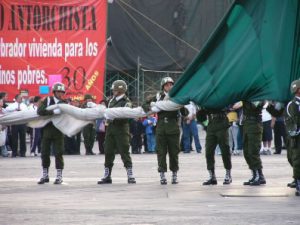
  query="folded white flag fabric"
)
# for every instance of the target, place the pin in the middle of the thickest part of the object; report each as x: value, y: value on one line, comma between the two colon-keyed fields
x: 72, y: 119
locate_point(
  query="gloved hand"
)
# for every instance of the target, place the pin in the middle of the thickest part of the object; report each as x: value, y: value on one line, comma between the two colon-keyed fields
x: 57, y: 111
x: 107, y: 117
x: 294, y: 133
x: 91, y: 104
x: 155, y: 109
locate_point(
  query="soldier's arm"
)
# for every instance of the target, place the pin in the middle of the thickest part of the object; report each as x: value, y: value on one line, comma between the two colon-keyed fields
x: 42, y: 109
x: 291, y: 120
x: 274, y: 112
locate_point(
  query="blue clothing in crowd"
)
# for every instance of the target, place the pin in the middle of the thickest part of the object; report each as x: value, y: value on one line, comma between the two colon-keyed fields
x: 150, y: 124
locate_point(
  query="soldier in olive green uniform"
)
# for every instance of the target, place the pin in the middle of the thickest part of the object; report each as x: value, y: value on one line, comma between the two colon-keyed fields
x: 276, y: 109
x: 117, y: 136
x: 88, y: 131
x: 292, y: 118
x: 51, y: 136
x: 167, y: 134
x: 217, y: 134
x: 289, y: 155
x: 252, y: 137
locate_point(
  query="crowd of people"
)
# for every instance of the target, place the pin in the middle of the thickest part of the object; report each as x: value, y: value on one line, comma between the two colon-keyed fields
x: 242, y: 128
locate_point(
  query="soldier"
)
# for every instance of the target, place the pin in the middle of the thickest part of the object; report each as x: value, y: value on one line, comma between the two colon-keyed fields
x: 117, y: 135
x: 52, y: 137
x: 217, y: 134
x: 277, y: 110
x: 292, y: 119
x: 167, y: 133
x: 252, y: 137
x: 89, y: 131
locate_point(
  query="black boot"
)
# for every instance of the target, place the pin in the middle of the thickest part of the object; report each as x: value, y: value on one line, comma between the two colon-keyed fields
x: 227, y: 179
x: 174, y: 178
x: 251, y: 179
x: 256, y: 180
x: 43, y: 180
x: 45, y: 177
x: 89, y: 152
x: 163, y: 179
x: 297, y: 193
x: 212, y: 178
x: 292, y: 184
x: 262, y: 179
x: 107, y: 177
x: 131, y: 179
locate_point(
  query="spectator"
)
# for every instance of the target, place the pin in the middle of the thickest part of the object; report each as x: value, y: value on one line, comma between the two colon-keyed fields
x: 3, y: 133
x: 89, y: 131
x: 150, y: 124
x: 101, y: 130
x: 36, y: 132
x: 18, y: 132
x: 267, y: 132
x: 190, y: 128
x: 136, y: 131
x: 233, y: 130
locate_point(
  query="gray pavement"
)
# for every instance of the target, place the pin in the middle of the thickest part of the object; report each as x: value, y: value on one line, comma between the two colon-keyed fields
x: 80, y: 200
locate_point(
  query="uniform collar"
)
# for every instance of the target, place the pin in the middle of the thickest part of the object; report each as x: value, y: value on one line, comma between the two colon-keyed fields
x: 119, y: 97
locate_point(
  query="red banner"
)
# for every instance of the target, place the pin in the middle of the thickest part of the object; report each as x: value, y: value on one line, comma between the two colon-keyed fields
x: 42, y: 42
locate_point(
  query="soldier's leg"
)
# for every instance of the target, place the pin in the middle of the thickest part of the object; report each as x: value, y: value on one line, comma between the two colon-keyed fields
x: 58, y: 147
x: 173, y: 149
x: 255, y: 137
x: 254, y: 144
x: 223, y: 140
x: 122, y: 144
x: 45, y: 151
x: 223, y: 136
x: 289, y: 151
x: 296, y: 166
x: 109, y: 150
x: 45, y: 156
x: 162, y: 148
x: 296, y: 162
x: 210, y: 146
x: 246, y: 145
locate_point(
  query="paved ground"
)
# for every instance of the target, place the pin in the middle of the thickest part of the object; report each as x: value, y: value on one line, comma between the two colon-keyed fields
x: 81, y: 201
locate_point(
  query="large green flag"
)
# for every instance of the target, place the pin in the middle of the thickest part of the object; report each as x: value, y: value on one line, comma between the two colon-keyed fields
x: 254, y: 54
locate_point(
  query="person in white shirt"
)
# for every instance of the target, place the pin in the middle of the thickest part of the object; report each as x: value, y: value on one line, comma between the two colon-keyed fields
x: 189, y: 128
x: 267, y: 132
x: 18, y: 131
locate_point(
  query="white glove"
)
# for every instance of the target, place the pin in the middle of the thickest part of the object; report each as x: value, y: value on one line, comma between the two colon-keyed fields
x: 91, y: 105
x: 57, y: 111
x: 155, y: 109
x: 294, y: 133
x: 152, y: 104
x: 107, y: 117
